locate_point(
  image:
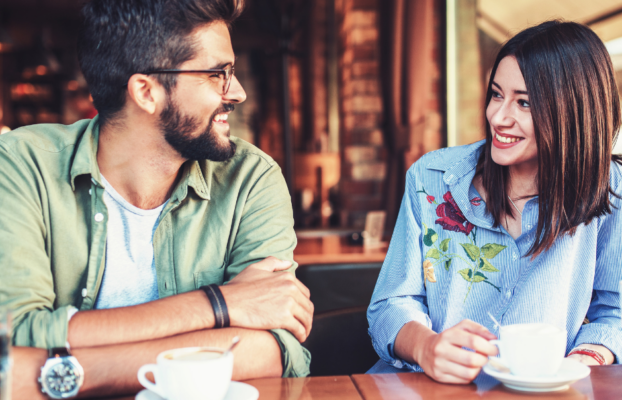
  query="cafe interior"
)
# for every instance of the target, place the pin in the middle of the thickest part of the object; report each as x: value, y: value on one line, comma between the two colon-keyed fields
x: 344, y: 94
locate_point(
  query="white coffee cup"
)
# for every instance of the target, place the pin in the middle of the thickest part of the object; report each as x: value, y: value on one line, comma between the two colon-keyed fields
x: 191, y: 373
x: 532, y: 350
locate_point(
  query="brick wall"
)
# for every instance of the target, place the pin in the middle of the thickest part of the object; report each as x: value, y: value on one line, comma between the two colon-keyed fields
x: 364, y: 169
x: 362, y: 144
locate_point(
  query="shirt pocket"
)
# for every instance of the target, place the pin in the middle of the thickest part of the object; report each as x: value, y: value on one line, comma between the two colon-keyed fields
x: 208, y: 277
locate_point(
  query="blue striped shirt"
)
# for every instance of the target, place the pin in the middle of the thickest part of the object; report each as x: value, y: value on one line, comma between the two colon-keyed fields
x: 447, y: 263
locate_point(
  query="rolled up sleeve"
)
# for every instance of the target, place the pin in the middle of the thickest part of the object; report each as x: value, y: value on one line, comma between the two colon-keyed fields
x: 605, y: 327
x: 294, y: 358
x: 399, y: 296
x: 26, y: 284
x: 267, y: 229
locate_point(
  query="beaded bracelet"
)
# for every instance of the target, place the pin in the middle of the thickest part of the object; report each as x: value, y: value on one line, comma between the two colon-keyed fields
x: 600, y: 359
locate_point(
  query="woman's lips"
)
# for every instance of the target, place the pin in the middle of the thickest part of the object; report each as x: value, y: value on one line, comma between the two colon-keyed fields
x: 504, y: 141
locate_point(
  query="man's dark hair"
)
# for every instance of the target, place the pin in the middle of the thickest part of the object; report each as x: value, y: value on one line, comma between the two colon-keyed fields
x: 120, y: 38
x: 575, y: 109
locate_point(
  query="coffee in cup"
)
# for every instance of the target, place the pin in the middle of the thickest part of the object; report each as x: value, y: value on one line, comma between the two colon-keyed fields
x: 532, y: 350
x: 192, y: 373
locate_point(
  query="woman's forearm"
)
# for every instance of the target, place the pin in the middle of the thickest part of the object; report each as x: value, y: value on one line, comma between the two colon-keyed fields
x: 410, y: 341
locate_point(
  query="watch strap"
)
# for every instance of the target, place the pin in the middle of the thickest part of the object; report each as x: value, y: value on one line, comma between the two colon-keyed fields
x: 55, y: 352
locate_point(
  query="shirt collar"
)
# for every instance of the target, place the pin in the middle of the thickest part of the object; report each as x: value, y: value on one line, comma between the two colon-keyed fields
x: 456, y: 162
x: 85, y: 163
x: 85, y: 159
x: 458, y: 165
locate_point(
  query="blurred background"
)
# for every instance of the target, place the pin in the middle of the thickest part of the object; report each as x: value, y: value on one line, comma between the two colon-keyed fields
x: 344, y: 94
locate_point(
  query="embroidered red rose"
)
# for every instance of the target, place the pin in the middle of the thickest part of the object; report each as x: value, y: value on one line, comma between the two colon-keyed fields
x: 451, y: 218
x: 430, y: 199
x: 476, y: 201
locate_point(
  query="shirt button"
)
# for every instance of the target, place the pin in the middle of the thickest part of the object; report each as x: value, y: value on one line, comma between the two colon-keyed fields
x: 84, y: 292
x: 528, y: 226
x: 90, y: 191
x: 508, y: 294
x: 514, y: 256
x: 99, y: 217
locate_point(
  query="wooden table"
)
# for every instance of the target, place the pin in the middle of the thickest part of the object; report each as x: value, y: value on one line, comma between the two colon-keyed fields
x: 333, y: 249
x: 604, y: 383
x: 316, y: 388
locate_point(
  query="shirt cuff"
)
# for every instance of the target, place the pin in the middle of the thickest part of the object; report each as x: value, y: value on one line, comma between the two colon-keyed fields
x: 42, y: 329
x: 295, y: 359
x: 603, y: 335
x: 387, y: 324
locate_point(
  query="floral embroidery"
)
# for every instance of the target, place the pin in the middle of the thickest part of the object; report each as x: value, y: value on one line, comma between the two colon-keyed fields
x: 451, y: 218
x: 428, y: 272
x: 477, y: 258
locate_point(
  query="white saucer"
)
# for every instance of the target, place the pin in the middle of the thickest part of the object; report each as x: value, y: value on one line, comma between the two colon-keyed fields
x: 570, y: 372
x: 237, y: 391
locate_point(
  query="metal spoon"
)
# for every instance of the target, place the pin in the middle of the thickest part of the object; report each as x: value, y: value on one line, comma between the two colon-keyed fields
x: 234, y: 342
x: 494, y: 320
x: 496, y: 364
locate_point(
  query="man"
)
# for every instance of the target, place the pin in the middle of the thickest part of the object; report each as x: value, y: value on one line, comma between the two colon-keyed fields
x: 114, y: 231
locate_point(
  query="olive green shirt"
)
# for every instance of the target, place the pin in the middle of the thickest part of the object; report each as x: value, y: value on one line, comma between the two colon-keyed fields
x: 221, y: 217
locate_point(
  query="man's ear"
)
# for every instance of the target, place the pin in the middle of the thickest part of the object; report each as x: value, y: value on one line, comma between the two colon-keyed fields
x: 146, y: 92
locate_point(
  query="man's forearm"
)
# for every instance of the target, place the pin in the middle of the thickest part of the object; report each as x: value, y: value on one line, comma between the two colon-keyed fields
x: 111, y: 370
x: 187, y: 312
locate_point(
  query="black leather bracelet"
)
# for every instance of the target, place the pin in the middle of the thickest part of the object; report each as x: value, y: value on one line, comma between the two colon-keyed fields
x: 221, y: 312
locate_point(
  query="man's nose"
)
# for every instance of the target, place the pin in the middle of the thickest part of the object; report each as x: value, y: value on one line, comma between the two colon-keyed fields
x: 236, y: 93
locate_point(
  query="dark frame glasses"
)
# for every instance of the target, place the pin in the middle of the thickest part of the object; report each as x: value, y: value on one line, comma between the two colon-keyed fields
x: 227, y: 72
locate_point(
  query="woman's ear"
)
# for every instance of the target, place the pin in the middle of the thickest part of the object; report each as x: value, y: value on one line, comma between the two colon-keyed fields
x: 146, y: 92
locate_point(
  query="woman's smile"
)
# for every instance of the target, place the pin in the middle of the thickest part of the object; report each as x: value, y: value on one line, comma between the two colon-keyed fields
x: 504, y: 140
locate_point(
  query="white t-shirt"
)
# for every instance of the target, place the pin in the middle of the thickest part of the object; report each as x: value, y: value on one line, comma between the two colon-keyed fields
x: 130, y: 275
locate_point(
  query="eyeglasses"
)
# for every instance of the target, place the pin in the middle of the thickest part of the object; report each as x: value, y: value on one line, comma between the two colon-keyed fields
x: 226, y: 73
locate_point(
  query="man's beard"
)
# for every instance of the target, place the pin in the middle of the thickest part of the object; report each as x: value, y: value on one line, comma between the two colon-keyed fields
x: 178, y: 131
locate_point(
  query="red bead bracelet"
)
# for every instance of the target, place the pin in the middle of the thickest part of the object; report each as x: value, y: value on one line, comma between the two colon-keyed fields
x: 590, y: 353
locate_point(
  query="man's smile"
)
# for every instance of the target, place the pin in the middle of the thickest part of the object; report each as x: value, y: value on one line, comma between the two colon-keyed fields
x: 221, y: 118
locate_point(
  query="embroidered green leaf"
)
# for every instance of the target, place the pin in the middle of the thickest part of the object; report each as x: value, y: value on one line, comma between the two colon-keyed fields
x: 434, y: 238
x: 491, y: 250
x: 448, y: 264
x: 466, y: 274
x: 445, y: 245
x: 471, y: 250
x: 430, y: 237
x: 495, y: 286
x: 479, y: 277
x: 485, y: 265
x: 425, y: 229
x: 433, y: 253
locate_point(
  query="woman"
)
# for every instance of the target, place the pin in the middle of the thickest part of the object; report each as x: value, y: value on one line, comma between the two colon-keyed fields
x: 524, y: 225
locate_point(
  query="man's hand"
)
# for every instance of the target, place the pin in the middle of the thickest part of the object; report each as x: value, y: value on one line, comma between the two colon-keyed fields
x: 264, y: 296
x: 443, y: 358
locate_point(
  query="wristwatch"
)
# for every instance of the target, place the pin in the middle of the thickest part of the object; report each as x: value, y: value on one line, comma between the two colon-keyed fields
x: 62, y: 375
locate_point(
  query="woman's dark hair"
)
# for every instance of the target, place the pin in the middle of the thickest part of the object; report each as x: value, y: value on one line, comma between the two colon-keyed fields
x: 120, y: 38
x: 576, y: 116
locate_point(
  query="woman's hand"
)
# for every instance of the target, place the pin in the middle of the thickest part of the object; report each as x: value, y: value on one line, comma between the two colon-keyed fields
x: 587, y: 360
x: 441, y: 355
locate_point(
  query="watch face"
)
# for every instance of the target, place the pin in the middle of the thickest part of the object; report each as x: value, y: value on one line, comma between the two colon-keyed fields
x: 61, y: 379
